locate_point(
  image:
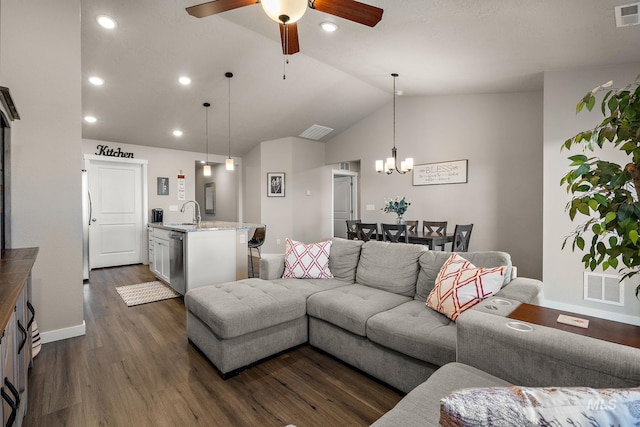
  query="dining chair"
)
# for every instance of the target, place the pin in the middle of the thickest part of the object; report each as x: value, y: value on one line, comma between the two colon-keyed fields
x: 352, y: 233
x: 367, y: 231
x: 412, y: 226
x: 256, y: 241
x: 395, y: 233
x: 435, y: 227
x: 461, y: 238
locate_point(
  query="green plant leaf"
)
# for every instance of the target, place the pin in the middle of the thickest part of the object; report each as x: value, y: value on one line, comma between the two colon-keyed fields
x: 613, y: 262
x: 578, y: 159
x: 591, y: 102
x: 580, y: 243
x: 633, y: 236
x: 601, y: 199
x: 609, y: 217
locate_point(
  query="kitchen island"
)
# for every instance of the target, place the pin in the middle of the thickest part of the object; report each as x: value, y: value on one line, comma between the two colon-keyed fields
x: 187, y: 255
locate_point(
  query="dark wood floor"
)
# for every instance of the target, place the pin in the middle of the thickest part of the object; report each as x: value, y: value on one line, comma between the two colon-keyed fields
x: 135, y: 367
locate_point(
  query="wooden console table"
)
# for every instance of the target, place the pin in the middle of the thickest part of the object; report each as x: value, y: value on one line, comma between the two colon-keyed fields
x: 607, y: 330
x: 16, y: 316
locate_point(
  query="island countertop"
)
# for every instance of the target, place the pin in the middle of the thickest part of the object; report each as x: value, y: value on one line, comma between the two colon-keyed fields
x: 206, y: 226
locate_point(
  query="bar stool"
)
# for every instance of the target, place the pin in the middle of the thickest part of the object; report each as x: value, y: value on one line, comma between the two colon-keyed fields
x: 256, y: 241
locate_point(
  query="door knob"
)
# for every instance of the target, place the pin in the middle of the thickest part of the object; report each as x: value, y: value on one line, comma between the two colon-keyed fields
x: 93, y: 220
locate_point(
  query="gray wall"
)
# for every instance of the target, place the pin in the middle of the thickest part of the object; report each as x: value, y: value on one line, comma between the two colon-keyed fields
x: 563, y: 270
x: 227, y: 191
x: 500, y: 135
x: 40, y: 63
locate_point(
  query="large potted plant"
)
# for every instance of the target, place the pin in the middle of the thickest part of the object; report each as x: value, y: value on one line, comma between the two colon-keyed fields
x: 605, y: 192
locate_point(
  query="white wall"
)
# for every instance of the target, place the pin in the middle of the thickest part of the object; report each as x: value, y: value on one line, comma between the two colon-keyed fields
x: 168, y: 163
x: 563, y: 270
x: 40, y: 63
x: 226, y: 195
x: 500, y: 135
x: 254, y: 185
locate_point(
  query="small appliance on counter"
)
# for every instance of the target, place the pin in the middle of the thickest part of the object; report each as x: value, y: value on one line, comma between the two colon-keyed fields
x: 156, y: 215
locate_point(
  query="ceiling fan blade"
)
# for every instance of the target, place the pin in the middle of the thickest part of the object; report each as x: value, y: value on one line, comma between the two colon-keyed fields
x: 289, y: 37
x: 349, y: 9
x: 217, y: 6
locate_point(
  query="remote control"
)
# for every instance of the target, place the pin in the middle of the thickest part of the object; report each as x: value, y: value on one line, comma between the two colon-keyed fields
x: 573, y: 321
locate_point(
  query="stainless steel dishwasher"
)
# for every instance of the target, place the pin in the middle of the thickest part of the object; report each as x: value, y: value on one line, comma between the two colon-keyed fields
x: 176, y: 262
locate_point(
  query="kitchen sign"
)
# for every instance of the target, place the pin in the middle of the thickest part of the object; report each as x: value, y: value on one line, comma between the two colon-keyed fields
x: 454, y: 172
x: 104, y: 150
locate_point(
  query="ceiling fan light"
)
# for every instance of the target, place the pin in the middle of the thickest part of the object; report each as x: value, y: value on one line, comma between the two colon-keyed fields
x: 293, y: 9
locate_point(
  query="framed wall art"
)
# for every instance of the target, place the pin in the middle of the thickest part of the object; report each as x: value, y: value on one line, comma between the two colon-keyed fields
x: 210, y: 198
x: 163, y: 186
x: 275, y: 184
x: 453, y: 172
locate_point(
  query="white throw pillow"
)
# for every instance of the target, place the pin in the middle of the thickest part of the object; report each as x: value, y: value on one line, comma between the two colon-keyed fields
x: 307, y: 261
x: 460, y: 285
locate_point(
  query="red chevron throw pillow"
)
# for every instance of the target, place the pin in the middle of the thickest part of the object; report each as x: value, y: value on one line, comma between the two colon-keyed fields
x: 460, y: 285
x: 307, y: 261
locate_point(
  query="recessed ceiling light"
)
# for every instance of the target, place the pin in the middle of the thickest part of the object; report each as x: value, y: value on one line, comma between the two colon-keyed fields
x: 184, y: 80
x: 177, y: 132
x: 96, y: 81
x: 329, y: 27
x: 90, y: 119
x: 106, y: 22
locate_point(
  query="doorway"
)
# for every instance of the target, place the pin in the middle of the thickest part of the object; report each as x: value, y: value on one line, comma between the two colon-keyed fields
x: 345, y: 201
x: 117, y: 227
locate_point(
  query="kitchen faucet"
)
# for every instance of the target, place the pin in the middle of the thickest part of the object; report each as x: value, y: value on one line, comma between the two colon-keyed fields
x: 196, y: 211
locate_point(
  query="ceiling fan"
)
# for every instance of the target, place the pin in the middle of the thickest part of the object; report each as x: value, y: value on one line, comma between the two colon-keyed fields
x: 288, y: 12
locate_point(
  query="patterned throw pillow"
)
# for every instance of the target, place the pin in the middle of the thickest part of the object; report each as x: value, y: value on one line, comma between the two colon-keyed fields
x: 307, y: 261
x: 460, y: 285
x: 528, y: 406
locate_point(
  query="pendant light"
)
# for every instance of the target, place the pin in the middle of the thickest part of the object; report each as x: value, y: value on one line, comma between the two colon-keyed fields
x: 206, y: 169
x: 229, y: 162
x: 392, y: 162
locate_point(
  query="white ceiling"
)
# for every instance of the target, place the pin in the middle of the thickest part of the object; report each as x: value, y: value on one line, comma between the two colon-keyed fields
x: 437, y: 47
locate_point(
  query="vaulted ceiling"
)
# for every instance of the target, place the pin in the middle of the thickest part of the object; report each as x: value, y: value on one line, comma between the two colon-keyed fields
x: 437, y: 47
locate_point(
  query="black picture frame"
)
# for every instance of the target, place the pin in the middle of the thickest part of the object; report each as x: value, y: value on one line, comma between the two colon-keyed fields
x: 163, y: 186
x: 275, y: 184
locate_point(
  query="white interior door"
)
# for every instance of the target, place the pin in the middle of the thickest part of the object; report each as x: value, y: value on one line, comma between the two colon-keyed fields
x: 115, y: 233
x: 342, y: 204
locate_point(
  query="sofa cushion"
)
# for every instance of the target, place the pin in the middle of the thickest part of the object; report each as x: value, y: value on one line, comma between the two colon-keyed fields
x: 310, y: 261
x: 415, y: 330
x: 421, y: 407
x: 392, y: 267
x: 237, y: 308
x: 344, y: 257
x: 526, y: 406
x: 308, y: 287
x: 349, y: 307
x: 460, y: 286
x: 431, y: 262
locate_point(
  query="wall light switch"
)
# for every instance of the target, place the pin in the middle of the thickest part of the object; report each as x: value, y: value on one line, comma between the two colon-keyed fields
x: 308, y: 192
x: 277, y: 241
x: 371, y: 207
x: 173, y: 208
x: 242, y: 238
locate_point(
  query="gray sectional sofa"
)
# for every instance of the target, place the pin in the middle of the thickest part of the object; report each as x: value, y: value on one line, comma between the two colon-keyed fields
x: 372, y: 314
x: 490, y: 354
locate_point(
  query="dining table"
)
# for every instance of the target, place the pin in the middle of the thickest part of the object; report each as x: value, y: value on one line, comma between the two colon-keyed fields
x: 426, y: 238
x: 429, y: 239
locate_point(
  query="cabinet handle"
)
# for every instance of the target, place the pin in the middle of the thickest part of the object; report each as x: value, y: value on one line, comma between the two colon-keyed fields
x: 33, y: 315
x: 13, y: 391
x: 24, y: 337
x: 14, y: 408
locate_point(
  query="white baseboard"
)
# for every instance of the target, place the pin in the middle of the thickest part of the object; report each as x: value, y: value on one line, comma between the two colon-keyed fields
x: 617, y: 317
x: 64, y: 333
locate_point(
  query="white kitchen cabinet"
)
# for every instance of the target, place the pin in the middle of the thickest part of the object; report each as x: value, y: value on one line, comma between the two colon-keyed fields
x: 161, y: 255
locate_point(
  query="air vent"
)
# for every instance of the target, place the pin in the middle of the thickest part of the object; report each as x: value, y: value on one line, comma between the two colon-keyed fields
x: 316, y: 132
x: 604, y: 288
x: 627, y: 14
